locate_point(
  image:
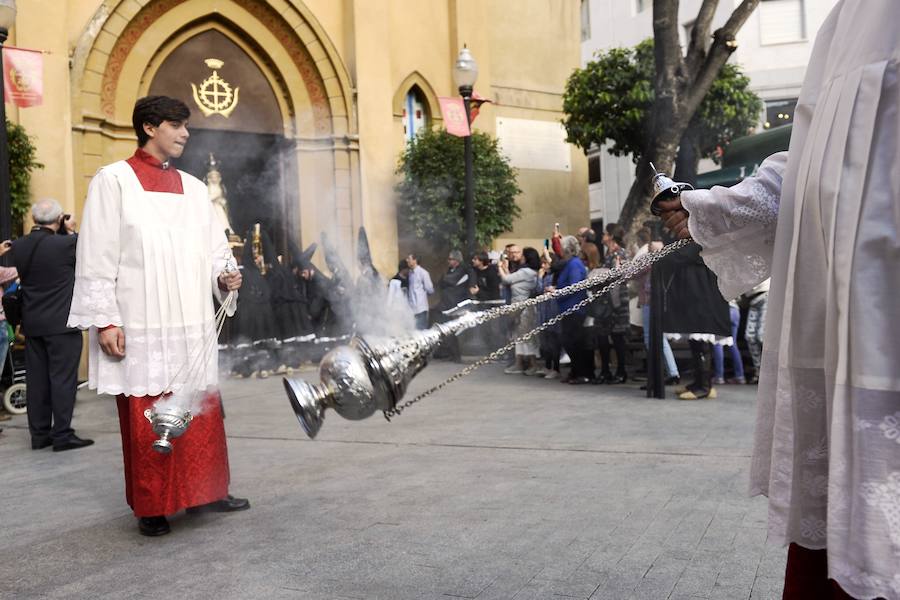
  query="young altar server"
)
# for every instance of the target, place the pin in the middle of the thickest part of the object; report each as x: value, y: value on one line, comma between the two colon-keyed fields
x: 150, y: 257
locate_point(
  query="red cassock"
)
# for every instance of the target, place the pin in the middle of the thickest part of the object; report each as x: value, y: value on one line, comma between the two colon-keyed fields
x: 196, y: 471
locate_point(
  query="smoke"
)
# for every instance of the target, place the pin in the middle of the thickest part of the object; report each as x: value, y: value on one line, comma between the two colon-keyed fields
x: 377, y: 311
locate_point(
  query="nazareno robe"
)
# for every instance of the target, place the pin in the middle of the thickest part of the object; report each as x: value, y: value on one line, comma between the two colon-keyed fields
x: 823, y: 220
x: 149, y: 254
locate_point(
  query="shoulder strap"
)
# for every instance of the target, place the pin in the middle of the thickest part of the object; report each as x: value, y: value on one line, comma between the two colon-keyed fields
x: 27, y: 266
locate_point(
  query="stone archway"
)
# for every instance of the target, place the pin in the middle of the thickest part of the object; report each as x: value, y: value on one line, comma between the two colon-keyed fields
x: 115, y: 59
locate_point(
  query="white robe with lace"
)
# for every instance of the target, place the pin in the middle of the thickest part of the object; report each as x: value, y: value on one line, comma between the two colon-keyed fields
x: 149, y: 262
x: 823, y: 220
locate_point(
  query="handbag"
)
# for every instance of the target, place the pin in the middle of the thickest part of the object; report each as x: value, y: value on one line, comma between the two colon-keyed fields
x: 12, y: 301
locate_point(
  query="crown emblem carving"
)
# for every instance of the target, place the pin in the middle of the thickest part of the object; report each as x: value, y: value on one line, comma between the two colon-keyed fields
x: 214, y: 95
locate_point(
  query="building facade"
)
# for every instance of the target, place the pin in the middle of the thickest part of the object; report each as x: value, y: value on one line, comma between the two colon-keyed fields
x: 773, y: 49
x: 304, y: 105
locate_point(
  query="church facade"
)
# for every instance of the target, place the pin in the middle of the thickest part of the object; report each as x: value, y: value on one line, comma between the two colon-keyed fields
x: 304, y: 106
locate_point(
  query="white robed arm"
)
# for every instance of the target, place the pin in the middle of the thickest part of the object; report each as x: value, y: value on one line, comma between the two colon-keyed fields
x: 94, y: 301
x: 736, y: 226
x: 219, y: 250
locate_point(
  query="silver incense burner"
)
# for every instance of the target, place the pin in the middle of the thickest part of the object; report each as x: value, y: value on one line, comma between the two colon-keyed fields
x: 168, y: 423
x: 361, y: 378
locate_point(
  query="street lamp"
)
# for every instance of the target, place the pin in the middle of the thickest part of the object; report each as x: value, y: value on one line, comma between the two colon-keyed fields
x: 465, y: 72
x: 7, y: 20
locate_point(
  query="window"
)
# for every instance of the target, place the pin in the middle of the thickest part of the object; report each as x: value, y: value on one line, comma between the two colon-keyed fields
x: 779, y: 112
x: 585, y: 20
x: 640, y: 6
x: 414, y: 115
x: 594, y: 174
x: 781, y: 21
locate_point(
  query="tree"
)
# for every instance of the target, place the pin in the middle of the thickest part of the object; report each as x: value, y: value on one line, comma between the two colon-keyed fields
x: 21, y: 163
x: 610, y: 99
x: 680, y: 82
x: 432, y: 191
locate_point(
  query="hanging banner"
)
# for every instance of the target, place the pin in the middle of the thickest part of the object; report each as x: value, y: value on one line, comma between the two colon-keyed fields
x: 454, y: 113
x: 475, y: 105
x: 23, y: 76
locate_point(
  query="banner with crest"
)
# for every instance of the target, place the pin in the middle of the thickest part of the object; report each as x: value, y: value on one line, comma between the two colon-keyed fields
x: 23, y: 76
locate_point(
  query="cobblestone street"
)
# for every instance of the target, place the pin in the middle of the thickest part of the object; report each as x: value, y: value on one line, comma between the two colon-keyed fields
x: 499, y: 487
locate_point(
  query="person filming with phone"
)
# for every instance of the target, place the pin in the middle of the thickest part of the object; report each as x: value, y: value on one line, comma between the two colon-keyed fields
x: 45, y: 259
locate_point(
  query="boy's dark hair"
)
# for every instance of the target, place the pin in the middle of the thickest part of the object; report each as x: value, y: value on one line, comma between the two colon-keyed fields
x: 155, y: 110
x: 483, y: 258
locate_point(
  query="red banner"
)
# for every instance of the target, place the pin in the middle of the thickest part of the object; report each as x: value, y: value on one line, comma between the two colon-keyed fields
x: 454, y: 112
x: 23, y: 76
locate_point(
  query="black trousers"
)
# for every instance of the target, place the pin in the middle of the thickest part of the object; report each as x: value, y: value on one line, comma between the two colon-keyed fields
x: 51, y: 362
x: 618, y: 340
x: 576, y: 341
x: 700, y: 353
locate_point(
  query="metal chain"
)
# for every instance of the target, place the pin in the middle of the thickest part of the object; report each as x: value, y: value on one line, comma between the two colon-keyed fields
x: 587, y: 283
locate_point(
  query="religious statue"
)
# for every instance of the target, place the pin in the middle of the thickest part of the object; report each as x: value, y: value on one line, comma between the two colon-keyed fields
x: 217, y: 195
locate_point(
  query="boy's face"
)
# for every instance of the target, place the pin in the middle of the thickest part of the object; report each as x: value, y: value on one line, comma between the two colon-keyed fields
x: 168, y: 139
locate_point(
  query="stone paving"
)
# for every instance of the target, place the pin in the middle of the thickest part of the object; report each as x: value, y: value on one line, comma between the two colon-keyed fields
x: 499, y: 487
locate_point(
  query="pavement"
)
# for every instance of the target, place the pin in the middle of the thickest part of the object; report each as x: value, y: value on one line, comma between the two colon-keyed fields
x: 497, y: 487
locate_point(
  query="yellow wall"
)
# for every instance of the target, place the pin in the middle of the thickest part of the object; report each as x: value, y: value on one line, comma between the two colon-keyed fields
x: 363, y: 51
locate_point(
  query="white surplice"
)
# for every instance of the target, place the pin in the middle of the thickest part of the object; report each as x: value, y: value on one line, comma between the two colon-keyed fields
x: 823, y: 220
x: 149, y: 262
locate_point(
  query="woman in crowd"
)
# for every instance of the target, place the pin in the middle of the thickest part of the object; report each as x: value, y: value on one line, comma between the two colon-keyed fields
x: 551, y: 343
x: 614, y: 322
x: 574, y: 338
x: 521, y: 284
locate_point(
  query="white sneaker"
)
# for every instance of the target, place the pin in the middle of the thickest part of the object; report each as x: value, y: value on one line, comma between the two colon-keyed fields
x: 540, y: 372
x: 551, y: 374
x: 514, y: 370
x: 532, y: 371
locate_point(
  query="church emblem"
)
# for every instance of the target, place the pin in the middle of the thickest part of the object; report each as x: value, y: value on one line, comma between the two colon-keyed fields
x: 215, y: 95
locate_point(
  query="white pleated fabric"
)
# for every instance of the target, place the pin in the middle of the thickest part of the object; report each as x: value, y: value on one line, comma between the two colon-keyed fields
x: 823, y: 220
x: 149, y: 262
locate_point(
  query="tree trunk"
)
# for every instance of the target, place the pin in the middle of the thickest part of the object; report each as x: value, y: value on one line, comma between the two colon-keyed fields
x: 637, y: 206
x: 680, y: 84
x: 688, y: 159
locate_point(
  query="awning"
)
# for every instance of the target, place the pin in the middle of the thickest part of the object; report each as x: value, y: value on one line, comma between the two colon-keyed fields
x: 743, y: 156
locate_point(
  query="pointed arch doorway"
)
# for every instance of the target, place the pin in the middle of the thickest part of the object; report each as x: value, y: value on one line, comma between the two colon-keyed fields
x: 237, y: 124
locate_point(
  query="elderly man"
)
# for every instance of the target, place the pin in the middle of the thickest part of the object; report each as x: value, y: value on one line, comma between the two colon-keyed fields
x: 454, y: 286
x: 150, y: 258
x: 46, y: 265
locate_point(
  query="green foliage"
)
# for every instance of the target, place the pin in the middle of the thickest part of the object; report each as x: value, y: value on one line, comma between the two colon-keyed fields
x: 432, y: 191
x: 21, y: 163
x: 609, y: 101
x: 729, y: 111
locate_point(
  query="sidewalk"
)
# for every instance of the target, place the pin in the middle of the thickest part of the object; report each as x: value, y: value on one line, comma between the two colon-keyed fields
x: 497, y: 487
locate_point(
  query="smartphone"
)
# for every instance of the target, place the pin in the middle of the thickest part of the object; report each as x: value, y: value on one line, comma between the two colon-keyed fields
x: 546, y: 243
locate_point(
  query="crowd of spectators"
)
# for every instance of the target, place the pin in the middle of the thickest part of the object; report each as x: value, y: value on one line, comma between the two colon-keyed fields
x: 594, y: 340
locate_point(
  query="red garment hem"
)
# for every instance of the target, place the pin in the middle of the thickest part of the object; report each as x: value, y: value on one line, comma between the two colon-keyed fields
x: 194, y: 473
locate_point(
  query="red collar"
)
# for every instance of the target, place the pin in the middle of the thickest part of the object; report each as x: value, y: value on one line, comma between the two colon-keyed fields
x: 154, y: 175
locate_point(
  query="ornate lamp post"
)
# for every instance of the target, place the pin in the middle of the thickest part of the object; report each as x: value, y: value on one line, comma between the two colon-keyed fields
x: 7, y: 20
x: 465, y: 72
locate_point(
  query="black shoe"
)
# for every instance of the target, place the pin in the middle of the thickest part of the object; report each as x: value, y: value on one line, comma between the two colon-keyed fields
x: 617, y: 379
x: 153, y: 526
x: 604, y: 378
x: 579, y: 381
x: 40, y: 444
x: 227, y: 504
x: 674, y: 380
x: 73, y: 443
